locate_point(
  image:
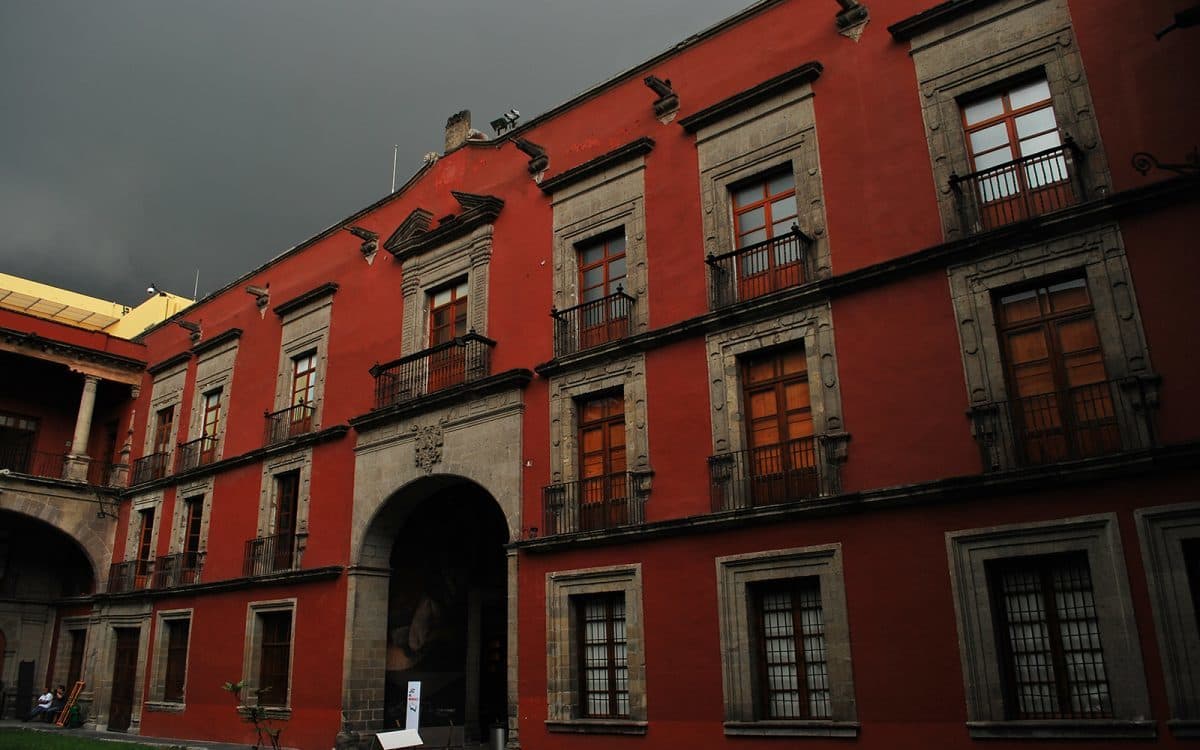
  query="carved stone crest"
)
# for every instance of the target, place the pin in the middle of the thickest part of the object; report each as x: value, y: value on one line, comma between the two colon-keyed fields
x: 428, y: 450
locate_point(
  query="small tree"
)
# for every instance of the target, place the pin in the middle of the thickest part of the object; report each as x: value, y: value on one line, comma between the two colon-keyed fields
x: 255, y: 714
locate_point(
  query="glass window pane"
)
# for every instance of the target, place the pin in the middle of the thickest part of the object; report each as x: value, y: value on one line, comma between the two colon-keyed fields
x: 989, y: 138
x: 750, y: 238
x: 1038, y: 121
x: 748, y: 194
x: 616, y: 244
x: 751, y: 219
x: 441, y: 297
x: 1037, y: 144
x: 780, y: 183
x: 1029, y: 93
x: 616, y: 270
x: 593, y: 277
x: 993, y: 158
x: 983, y: 110
x: 590, y: 255
x: 784, y: 208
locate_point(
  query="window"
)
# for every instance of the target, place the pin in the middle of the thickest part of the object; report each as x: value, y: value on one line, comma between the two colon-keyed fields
x: 210, y: 423
x: 145, y: 550
x: 785, y: 644
x: 602, y: 274
x: 604, y: 676
x: 178, y: 631
x: 1060, y: 397
x: 1170, y: 536
x: 1016, y: 152
x: 602, y: 479
x: 163, y: 424
x: 16, y: 441
x: 1047, y: 634
x: 193, y: 519
x: 304, y: 378
x: 596, y: 673
x: 779, y: 427
x: 267, y: 658
x: 764, y: 208
x: 1049, y: 637
x: 275, y: 658
x: 287, y: 496
x: 793, y: 677
x: 447, y: 321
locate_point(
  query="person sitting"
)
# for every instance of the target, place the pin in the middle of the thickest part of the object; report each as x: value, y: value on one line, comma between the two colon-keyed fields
x: 43, y: 705
x: 58, y: 704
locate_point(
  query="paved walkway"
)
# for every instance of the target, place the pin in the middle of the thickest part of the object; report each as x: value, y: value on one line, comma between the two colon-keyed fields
x: 121, y: 736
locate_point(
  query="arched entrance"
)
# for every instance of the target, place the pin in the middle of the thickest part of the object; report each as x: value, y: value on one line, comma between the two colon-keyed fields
x: 442, y: 614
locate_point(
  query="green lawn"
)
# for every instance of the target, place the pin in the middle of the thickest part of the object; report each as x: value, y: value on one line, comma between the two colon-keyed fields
x: 62, y: 739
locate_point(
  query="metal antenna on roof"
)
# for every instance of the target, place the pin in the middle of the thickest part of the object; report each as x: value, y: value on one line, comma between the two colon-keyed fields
x: 196, y: 286
x: 395, y: 151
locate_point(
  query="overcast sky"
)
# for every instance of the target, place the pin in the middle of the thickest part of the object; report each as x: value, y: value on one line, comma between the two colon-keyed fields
x: 141, y: 141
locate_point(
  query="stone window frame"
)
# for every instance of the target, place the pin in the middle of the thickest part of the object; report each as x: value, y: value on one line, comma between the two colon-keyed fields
x: 134, y: 616
x: 609, y: 201
x: 301, y: 461
x: 811, y: 326
x: 1097, y: 254
x: 1035, y: 36
x: 1096, y: 535
x: 625, y: 373
x: 158, y: 676
x: 304, y: 329
x: 183, y: 493
x: 735, y: 575
x: 214, y: 370
x: 468, y: 257
x: 153, y: 500
x: 562, y: 659
x: 252, y: 656
x: 777, y: 133
x: 1161, y: 530
x: 167, y: 390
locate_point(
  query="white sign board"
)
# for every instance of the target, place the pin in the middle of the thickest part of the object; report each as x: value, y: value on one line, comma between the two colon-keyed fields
x: 407, y: 737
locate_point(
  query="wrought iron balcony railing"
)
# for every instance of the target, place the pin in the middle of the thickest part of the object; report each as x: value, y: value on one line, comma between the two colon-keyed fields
x: 101, y: 473
x: 178, y: 569
x: 785, y: 472
x: 270, y: 554
x: 131, y: 575
x: 1086, y: 421
x: 592, y: 323
x: 1020, y: 189
x: 758, y: 269
x: 602, y: 502
x: 22, y: 460
x: 194, y: 453
x: 289, y: 423
x: 461, y: 360
x: 150, y: 467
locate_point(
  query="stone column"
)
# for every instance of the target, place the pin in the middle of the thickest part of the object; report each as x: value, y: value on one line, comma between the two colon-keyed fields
x: 77, y: 460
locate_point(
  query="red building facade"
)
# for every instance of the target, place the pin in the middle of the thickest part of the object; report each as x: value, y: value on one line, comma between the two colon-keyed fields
x: 860, y: 414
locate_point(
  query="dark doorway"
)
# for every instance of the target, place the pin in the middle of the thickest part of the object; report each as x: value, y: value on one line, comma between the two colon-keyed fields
x: 24, y: 689
x: 120, y: 708
x: 447, y: 612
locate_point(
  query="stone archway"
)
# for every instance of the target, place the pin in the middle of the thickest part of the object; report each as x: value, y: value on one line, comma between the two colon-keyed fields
x: 429, y: 592
x: 73, y: 512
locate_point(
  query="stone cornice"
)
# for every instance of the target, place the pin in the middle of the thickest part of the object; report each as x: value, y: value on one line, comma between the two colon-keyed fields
x: 806, y: 73
x: 507, y: 380
x: 282, y: 578
x: 940, y: 14
x: 478, y: 210
x: 307, y: 298
x: 166, y: 364
x: 224, y: 337
x: 632, y: 150
x: 83, y: 353
x: 300, y: 441
x: 1060, y: 222
x: 973, y: 487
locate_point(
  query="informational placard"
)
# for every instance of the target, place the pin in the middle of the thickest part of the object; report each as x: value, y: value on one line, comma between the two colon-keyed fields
x: 407, y: 737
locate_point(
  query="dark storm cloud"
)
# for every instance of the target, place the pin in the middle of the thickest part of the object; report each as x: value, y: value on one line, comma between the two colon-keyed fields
x: 141, y: 141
